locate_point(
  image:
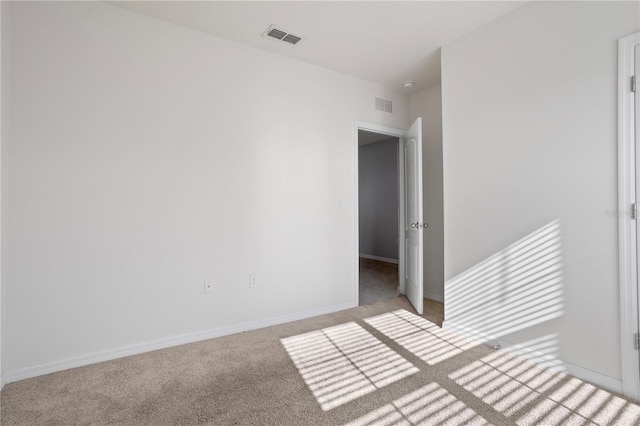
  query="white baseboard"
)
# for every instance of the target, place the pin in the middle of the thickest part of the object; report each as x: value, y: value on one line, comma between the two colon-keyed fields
x: 111, y: 354
x: 1, y: 382
x: 434, y: 296
x: 381, y: 259
x: 593, y: 377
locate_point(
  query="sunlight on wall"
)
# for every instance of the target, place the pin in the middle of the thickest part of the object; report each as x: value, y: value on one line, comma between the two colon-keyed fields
x: 531, y: 394
x: 429, y: 405
x: 516, y: 288
x: 422, y: 338
x: 345, y: 362
x: 542, y: 350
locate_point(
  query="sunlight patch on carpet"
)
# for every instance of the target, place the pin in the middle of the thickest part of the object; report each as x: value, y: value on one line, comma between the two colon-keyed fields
x: 345, y: 362
x: 421, y: 337
x: 429, y: 405
x: 534, y: 392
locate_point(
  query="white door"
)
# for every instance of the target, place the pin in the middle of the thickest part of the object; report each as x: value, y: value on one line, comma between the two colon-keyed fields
x: 413, y: 225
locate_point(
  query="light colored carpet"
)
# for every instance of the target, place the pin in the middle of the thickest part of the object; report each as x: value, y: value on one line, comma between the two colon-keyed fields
x: 375, y: 364
x: 433, y: 311
x: 378, y: 281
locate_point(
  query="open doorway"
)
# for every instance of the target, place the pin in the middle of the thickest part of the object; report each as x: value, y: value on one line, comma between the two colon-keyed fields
x: 378, y: 211
x: 410, y: 224
x: 388, y: 266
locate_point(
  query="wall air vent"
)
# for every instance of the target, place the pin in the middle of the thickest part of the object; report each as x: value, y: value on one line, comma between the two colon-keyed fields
x: 281, y: 35
x: 384, y: 104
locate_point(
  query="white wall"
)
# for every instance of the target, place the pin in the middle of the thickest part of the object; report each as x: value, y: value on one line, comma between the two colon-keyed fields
x: 378, y: 199
x: 529, y: 115
x: 145, y: 158
x: 428, y: 104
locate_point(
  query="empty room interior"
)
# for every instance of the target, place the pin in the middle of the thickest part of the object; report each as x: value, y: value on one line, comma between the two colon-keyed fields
x: 331, y: 213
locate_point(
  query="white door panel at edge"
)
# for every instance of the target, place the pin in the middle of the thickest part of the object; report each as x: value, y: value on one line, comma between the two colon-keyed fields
x: 413, y: 215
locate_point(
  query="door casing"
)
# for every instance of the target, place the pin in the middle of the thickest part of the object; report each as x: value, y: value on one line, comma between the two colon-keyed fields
x: 392, y: 132
x: 628, y: 226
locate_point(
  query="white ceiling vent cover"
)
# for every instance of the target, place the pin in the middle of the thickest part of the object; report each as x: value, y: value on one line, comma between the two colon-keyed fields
x: 281, y: 35
x: 384, y: 104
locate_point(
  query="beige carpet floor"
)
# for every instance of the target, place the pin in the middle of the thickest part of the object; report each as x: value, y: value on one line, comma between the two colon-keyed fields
x: 374, y: 364
x: 378, y: 281
x: 433, y: 311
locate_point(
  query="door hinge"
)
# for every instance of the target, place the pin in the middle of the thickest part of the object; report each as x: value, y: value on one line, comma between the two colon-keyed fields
x: 633, y: 83
x: 636, y: 341
x: 634, y: 211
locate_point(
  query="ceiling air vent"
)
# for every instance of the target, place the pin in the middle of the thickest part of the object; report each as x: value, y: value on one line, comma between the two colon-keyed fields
x: 384, y: 104
x: 283, y: 36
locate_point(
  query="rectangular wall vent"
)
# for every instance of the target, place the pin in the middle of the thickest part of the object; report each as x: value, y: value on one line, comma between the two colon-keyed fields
x: 281, y: 35
x: 384, y: 104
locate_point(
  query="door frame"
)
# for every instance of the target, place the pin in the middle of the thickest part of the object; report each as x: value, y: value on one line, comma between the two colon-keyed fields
x: 396, y: 133
x: 628, y: 172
